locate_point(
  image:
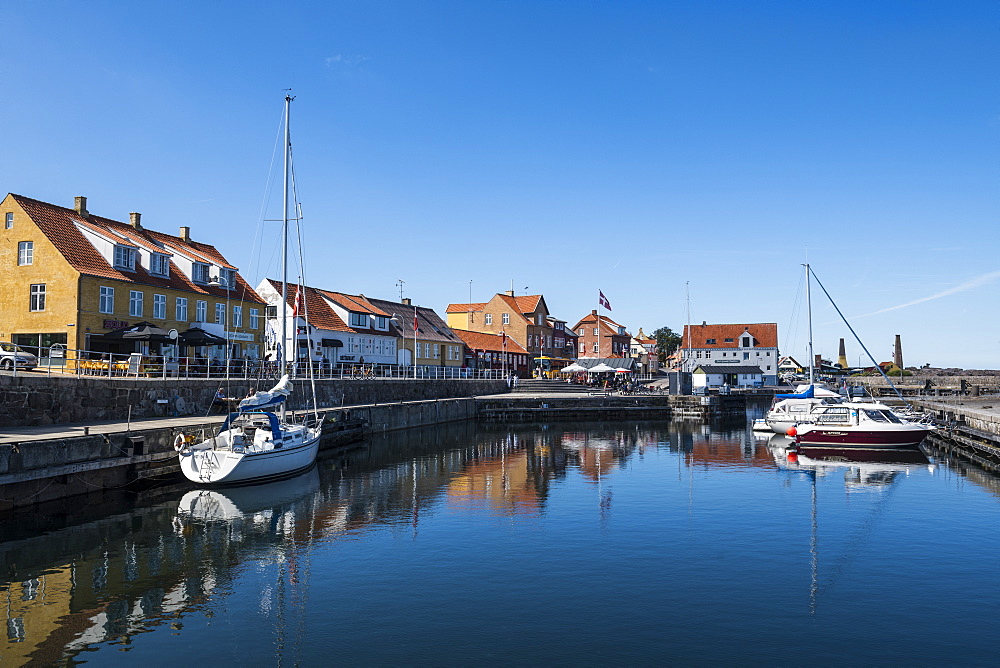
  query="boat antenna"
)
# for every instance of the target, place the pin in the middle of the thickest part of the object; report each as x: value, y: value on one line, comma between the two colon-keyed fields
x: 858, y: 339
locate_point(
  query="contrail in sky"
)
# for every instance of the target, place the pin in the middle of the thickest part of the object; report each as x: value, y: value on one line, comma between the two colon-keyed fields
x: 968, y: 285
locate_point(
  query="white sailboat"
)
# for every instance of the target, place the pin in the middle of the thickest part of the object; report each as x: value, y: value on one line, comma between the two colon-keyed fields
x: 254, y: 443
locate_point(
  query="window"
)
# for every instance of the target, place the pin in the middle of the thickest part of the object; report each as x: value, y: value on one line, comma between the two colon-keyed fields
x: 727, y: 340
x: 159, y: 264
x: 541, y: 319
x: 199, y: 273
x: 271, y: 312
x: 25, y: 252
x: 710, y: 342
x: 746, y: 356
x: 381, y: 322
x: 37, y: 302
x: 359, y: 320
x: 220, y: 314
x: 254, y: 316
x: 181, y: 309
x: 107, y: 300
x: 135, y: 303
x: 746, y: 342
x: 9, y: 220
x: 595, y: 331
x: 489, y: 318
x: 506, y: 318
x: 595, y: 348
x: 124, y: 258
x: 228, y: 279
x: 237, y: 316
x: 160, y: 307
x: 582, y: 331
x: 253, y: 351
x: 201, y: 310
x: 437, y: 351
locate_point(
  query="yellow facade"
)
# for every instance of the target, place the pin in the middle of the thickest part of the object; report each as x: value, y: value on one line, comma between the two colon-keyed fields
x: 72, y: 299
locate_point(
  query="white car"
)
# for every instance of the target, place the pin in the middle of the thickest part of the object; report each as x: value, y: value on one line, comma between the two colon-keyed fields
x: 11, y: 354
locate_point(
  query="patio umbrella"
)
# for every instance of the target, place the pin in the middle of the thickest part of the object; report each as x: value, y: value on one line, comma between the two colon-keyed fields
x: 572, y: 368
x: 601, y: 368
x: 623, y: 370
x: 141, y: 331
x: 196, y: 336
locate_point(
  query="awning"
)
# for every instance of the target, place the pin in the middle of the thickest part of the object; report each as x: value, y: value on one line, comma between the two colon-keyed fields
x: 331, y: 343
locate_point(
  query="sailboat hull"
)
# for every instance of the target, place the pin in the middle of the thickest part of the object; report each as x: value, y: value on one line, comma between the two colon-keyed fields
x: 228, y: 466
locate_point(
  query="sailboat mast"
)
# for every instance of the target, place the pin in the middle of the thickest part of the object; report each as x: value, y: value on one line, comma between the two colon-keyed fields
x: 284, y: 240
x: 809, y: 310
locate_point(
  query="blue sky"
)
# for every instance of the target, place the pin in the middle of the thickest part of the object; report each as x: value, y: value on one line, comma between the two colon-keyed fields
x: 632, y: 147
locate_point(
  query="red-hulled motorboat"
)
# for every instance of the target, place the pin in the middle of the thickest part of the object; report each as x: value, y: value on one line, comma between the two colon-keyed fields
x: 860, y: 425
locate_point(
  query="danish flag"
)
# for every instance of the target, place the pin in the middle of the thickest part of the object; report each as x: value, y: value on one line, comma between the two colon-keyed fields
x: 603, y: 301
x: 297, y: 304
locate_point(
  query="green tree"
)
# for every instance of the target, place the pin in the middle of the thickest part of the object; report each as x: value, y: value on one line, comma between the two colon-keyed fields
x: 667, y: 341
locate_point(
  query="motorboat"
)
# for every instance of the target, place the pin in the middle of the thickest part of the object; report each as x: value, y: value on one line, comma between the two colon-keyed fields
x: 859, y: 424
x: 796, y: 408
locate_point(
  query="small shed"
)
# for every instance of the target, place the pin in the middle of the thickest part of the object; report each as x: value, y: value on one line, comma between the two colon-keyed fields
x: 733, y: 376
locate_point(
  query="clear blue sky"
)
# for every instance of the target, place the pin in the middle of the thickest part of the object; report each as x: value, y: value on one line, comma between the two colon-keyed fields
x: 631, y: 147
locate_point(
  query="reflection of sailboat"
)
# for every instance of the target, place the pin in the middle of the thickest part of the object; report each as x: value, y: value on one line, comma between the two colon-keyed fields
x: 233, y: 503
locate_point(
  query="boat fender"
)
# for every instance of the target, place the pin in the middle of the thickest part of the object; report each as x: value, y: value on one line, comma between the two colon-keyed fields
x: 180, y: 441
x: 792, y: 431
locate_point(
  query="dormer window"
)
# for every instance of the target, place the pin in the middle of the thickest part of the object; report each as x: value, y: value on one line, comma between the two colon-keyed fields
x: 228, y: 278
x: 709, y: 342
x: 381, y: 322
x: 124, y: 258
x: 747, y: 341
x: 200, y: 272
x: 159, y: 264
x: 359, y: 320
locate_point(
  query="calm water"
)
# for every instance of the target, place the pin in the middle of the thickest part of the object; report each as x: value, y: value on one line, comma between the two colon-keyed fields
x: 567, y: 544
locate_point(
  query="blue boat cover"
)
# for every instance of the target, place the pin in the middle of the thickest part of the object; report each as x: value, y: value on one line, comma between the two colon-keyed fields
x: 271, y: 417
x: 808, y: 394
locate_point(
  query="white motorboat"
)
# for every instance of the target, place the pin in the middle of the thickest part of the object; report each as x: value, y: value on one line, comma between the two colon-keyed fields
x: 254, y: 443
x: 789, y: 410
x: 859, y: 425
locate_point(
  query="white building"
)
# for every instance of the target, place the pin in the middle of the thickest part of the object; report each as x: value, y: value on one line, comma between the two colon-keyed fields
x: 732, y: 345
x: 733, y: 376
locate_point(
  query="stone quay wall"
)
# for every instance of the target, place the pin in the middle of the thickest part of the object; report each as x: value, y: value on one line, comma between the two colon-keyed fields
x: 31, y: 400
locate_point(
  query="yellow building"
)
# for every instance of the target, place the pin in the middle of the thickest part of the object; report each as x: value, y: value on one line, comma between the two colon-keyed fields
x: 74, y: 278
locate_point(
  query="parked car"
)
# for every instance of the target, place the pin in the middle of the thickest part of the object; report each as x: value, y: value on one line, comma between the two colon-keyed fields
x: 11, y: 354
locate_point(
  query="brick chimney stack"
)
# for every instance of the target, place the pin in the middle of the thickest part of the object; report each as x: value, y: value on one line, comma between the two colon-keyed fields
x: 842, y: 356
x: 407, y: 302
x: 80, y: 205
x: 897, y: 353
x: 509, y: 293
x: 186, y: 234
x: 133, y: 220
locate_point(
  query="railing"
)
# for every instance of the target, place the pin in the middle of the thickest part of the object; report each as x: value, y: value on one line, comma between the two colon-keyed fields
x: 136, y: 365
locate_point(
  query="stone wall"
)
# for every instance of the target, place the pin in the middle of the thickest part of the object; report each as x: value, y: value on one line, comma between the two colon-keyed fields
x: 30, y: 399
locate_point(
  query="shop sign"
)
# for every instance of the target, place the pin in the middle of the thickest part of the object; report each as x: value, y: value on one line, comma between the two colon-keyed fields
x: 115, y: 324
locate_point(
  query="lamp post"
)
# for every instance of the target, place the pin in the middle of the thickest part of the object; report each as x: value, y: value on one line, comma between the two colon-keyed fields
x: 218, y: 282
x: 399, y: 323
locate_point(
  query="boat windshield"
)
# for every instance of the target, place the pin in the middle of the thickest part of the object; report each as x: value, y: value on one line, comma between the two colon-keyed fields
x: 875, y: 416
x: 892, y: 417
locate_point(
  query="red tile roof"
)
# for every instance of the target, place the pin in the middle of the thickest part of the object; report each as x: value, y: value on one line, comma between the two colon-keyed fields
x: 490, y: 342
x: 606, y: 324
x: 465, y: 308
x: 765, y: 334
x: 59, y: 225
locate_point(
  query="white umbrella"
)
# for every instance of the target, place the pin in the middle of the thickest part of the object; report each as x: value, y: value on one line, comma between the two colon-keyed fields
x: 601, y: 368
x: 572, y: 368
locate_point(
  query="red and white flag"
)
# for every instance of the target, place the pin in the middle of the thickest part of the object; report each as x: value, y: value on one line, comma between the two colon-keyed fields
x: 297, y: 304
x: 503, y: 340
x: 416, y: 326
x: 603, y: 301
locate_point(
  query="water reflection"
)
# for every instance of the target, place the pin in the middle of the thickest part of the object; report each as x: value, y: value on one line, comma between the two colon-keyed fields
x: 77, y: 578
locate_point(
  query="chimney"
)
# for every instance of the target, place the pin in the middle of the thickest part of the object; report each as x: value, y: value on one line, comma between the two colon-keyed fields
x: 186, y: 234
x: 593, y: 312
x: 897, y: 353
x: 509, y: 293
x: 80, y: 206
x: 842, y: 356
x: 704, y: 323
x: 133, y: 220
x: 407, y: 302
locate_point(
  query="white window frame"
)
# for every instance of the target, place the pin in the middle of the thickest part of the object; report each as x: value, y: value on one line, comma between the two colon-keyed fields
x: 159, y: 264
x: 359, y: 320
x: 124, y: 258
x: 237, y: 315
x: 106, y: 300
x: 200, y: 272
x: 25, y: 253
x: 181, y: 309
x: 159, y: 307
x: 201, y: 311
x: 135, y: 298
x: 506, y: 318
x: 9, y: 220
x: 489, y: 318
x: 254, y: 318
x: 36, y: 299
x: 220, y: 314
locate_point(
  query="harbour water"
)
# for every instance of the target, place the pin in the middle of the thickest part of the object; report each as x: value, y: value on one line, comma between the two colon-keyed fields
x: 558, y: 544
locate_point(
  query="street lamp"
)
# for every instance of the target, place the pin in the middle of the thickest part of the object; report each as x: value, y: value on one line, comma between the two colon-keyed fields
x: 399, y: 323
x: 219, y: 282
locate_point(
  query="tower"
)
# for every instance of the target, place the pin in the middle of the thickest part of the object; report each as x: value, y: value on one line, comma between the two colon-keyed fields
x: 842, y: 356
x: 897, y: 353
